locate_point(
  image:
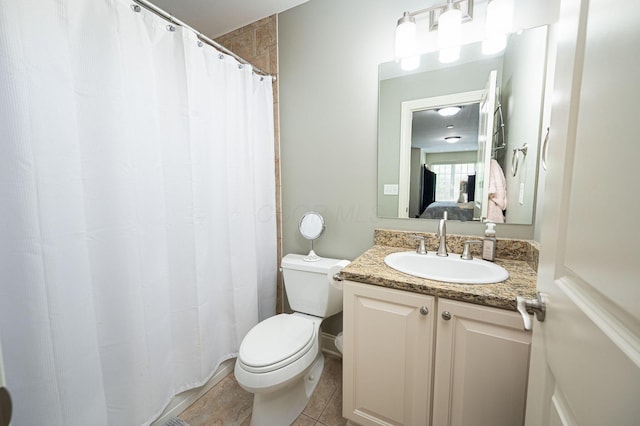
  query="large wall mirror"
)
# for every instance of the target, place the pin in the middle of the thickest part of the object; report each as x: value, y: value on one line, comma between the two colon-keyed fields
x: 478, y: 164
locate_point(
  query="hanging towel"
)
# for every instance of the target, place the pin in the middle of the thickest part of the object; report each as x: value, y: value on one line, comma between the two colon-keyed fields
x: 497, y: 193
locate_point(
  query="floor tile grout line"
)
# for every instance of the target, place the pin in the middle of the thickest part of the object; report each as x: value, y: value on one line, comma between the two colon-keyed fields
x: 326, y: 405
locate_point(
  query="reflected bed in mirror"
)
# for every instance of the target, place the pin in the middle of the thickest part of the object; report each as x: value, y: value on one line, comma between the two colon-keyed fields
x: 421, y: 174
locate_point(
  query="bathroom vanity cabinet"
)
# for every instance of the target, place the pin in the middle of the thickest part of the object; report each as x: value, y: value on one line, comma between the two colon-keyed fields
x: 389, y: 337
x: 414, y: 359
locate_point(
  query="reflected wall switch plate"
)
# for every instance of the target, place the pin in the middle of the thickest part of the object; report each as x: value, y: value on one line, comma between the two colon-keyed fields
x: 521, y: 194
x: 391, y: 189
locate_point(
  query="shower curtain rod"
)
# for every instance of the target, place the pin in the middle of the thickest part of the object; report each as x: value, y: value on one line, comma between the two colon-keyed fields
x: 155, y: 9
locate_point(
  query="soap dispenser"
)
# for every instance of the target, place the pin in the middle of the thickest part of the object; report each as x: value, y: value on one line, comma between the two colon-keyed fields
x: 489, y: 242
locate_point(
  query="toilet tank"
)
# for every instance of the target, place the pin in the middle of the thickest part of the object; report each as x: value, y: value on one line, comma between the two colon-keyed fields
x: 310, y: 286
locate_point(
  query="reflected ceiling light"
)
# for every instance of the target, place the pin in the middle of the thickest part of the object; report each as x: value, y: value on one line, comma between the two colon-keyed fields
x: 450, y: 34
x: 449, y: 111
x: 450, y: 126
x: 452, y: 139
x: 498, y: 25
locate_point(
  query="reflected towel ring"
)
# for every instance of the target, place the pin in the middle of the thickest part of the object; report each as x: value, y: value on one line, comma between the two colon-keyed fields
x: 515, y: 160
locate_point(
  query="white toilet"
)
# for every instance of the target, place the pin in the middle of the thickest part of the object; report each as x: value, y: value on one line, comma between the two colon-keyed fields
x: 280, y: 360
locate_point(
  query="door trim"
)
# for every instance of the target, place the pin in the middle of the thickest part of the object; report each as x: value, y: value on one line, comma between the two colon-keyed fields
x: 406, y: 119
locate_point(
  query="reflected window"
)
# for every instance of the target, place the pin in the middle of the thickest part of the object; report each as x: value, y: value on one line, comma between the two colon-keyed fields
x: 450, y: 176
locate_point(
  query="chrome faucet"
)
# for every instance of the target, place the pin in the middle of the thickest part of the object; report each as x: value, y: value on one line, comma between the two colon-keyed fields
x: 466, y: 250
x: 442, y: 233
x: 421, y: 248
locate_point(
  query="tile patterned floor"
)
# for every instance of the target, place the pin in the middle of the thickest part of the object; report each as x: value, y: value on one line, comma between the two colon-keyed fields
x: 227, y: 404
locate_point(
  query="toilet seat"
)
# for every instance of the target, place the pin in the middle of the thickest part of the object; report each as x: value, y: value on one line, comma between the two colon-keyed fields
x: 276, y: 342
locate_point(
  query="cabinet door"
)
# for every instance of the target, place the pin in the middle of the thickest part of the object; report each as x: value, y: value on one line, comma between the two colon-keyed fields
x: 481, y: 366
x: 388, y: 345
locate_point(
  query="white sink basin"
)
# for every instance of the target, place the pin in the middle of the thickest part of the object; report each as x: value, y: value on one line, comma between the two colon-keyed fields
x: 450, y: 269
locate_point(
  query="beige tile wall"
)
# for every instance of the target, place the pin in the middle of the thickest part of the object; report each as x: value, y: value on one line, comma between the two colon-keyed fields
x: 257, y: 43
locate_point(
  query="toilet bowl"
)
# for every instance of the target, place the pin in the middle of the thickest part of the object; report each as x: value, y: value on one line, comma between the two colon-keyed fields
x: 280, y: 360
x: 276, y: 351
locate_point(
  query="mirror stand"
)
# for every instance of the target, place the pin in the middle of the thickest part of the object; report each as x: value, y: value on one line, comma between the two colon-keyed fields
x: 311, y: 226
x: 312, y: 256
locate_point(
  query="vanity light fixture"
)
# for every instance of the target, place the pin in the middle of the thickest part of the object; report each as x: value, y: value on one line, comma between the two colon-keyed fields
x: 449, y: 126
x: 410, y: 63
x: 452, y: 139
x: 499, y: 23
x: 406, y: 43
x: 449, y: 111
x: 446, y: 18
x: 449, y: 34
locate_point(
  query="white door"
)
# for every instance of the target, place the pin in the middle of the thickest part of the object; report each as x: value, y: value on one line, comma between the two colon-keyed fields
x: 585, y: 365
x: 485, y: 146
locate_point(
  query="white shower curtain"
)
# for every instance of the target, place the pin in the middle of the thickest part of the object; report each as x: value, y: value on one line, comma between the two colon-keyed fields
x: 137, y: 210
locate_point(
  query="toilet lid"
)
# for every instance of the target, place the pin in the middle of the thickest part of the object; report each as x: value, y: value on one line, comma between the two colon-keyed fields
x: 276, y: 340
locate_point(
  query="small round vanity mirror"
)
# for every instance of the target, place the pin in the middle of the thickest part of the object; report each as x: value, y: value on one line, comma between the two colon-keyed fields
x: 311, y: 227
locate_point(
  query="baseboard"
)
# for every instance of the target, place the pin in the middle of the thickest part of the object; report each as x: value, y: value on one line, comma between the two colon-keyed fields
x: 328, y: 344
x: 183, y: 400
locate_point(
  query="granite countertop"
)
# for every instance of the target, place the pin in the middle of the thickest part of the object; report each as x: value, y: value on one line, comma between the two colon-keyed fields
x: 370, y: 268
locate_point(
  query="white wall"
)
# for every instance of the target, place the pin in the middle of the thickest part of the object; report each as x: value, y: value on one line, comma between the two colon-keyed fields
x: 329, y: 56
x: 451, y: 157
x: 523, y: 90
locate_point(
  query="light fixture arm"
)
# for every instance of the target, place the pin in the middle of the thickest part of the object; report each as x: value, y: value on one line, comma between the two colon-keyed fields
x: 465, y: 6
x: 407, y: 17
x: 416, y: 13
